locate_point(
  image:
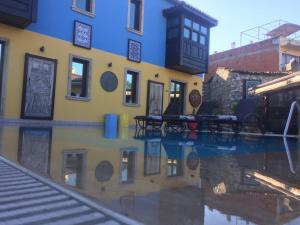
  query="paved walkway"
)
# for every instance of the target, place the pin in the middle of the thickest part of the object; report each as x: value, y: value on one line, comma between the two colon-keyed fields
x: 26, y: 198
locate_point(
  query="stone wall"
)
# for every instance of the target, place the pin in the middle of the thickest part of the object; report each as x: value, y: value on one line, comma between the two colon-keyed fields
x: 227, y: 87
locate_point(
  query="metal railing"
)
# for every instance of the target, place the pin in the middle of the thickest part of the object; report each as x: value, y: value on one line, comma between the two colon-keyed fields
x: 288, y: 123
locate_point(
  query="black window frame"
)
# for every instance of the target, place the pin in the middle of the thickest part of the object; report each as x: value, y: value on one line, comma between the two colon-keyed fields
x: 134, y: 87
x: 88, y: 6
x: 85, y: 77
x: 174, y: 163
x: 130, y: 166
x: 137, y: 17
x: 193, y: 30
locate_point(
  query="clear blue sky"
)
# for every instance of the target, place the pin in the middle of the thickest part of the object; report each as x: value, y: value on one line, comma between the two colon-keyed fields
x: 235, y: 16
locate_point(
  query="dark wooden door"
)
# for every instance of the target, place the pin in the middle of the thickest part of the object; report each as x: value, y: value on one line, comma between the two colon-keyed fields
x: 2, y: 49
x: 177, y: 95
x: 38, y: 88
x: 155, y: 98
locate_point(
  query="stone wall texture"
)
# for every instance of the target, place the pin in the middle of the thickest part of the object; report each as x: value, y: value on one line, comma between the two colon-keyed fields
x: 227, y: 87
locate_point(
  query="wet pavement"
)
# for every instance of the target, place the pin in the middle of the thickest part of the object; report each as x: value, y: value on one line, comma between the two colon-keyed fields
x: 167, y: 178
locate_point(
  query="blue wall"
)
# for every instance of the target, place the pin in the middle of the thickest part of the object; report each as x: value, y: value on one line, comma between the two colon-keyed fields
x: 56, y: 18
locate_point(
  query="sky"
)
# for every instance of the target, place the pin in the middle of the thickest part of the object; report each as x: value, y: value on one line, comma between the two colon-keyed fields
x: 235, y: 16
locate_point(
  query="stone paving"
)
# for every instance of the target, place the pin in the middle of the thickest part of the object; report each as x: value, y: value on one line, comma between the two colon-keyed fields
x: 26, y: 198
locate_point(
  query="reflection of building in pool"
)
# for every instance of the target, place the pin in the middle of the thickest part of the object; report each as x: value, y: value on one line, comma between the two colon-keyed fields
x: 35, y: 149
x: 235, y: 176
x: 258, y: 197
x: 74, y: 167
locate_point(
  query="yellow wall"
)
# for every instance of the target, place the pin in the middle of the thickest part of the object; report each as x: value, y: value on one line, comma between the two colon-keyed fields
x: 23, y: 41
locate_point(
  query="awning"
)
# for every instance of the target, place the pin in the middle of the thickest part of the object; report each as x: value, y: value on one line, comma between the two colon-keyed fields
x: 282, y: 83
x: 181, y: 6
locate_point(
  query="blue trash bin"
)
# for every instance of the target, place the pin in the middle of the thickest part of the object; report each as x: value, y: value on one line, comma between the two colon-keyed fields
x: 111, y: 126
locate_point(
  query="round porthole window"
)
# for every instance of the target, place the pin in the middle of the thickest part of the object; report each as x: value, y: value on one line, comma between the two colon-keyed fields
x: 109, y: 81
x: 104, y: 171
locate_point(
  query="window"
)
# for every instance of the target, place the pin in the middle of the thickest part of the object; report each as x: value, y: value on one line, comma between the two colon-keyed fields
x: 84, y: 6
x: 187, y: 22
x: 204, y: 30
x: 173, y: 29
x: 173, y: 22
x: 79, y: 78
x: 131, y: 87
x: 286, y: 58
x: 250, y: 84
x: 202, y: 40
x: 195, y: 36
x: 196, y: 26
x: 74, y: 168
x: 173, y: 33
x: 174, y: 168
x: 177, y: 96
x: 187, y: 33
x: 195, y: 32
x: 135, y: 15
x: 127, y: 167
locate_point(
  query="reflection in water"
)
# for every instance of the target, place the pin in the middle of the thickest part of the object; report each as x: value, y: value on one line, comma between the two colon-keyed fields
x: 152, y: 157
x: 35, y: 148
x: 174, y: 151
x: 128, y: 166
x: 74, y: 168
x: 177, y: 178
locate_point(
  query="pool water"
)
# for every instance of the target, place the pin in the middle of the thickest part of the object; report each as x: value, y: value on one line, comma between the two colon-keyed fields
x: 168, y: 178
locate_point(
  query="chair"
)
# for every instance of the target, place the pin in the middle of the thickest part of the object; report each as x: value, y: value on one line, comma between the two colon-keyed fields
x: 172, y: 118
x: 208, y: 108
x: 246, y: 114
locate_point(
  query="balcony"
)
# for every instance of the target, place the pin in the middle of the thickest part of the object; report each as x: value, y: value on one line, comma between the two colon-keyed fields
x: 188, y: 34
x: 18, y: 13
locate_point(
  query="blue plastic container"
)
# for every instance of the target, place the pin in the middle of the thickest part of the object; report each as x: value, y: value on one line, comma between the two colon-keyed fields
x: 111, y: 126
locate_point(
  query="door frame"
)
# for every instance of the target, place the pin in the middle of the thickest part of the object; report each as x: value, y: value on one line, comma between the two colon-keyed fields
x: 27, y: 56
x: 184, y: 94
x: 148, y: 95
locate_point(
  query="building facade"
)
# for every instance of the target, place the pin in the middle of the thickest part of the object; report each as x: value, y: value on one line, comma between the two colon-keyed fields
x: 229, y: 86
x: 76, y: 60
x: 280, y: 94
x: 271, y: 54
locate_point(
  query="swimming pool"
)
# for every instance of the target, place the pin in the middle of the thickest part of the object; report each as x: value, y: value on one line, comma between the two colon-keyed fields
x: 167, y: 178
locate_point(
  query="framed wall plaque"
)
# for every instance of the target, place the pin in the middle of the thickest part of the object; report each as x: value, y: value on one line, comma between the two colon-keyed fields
x: 38, y: 88
x: 82, y: 36
x: 134, y: 51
